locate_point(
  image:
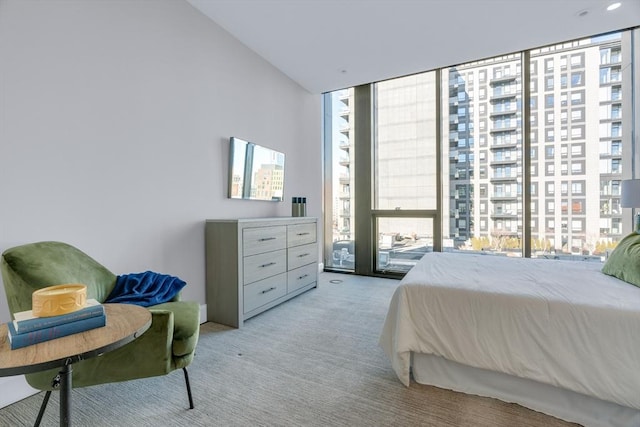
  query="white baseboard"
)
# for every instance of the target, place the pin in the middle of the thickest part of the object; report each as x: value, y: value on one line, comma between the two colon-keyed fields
x: 203, y: 313
x: 13, y: 389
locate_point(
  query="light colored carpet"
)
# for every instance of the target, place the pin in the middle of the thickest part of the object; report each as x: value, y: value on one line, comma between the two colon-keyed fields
x: 312, y: 361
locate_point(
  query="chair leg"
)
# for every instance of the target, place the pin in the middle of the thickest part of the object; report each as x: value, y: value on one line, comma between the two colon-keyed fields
x: 43, y: 406
x: 186, y: 379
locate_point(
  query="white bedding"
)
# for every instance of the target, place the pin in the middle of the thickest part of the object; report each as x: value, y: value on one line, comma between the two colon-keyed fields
x: 562, y: 323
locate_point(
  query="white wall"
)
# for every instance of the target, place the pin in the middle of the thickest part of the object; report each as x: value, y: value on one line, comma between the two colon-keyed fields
x: 114, y: 126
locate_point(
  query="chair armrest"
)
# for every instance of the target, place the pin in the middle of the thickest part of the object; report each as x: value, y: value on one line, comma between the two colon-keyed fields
x: 186, y: 324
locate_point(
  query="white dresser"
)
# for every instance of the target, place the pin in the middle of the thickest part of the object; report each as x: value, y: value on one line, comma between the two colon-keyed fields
x: 255, y: 264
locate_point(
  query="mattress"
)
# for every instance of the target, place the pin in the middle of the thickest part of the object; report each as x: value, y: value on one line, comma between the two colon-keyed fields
x: 562, y: 323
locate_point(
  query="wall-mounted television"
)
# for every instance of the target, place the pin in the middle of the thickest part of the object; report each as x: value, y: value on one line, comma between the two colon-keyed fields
x: 255, y: 172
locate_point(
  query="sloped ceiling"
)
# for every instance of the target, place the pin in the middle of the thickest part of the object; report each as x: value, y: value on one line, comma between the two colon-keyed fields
x: 326, y: 45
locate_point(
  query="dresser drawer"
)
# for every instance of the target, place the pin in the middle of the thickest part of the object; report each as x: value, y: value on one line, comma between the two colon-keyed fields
x: 301, y: 277
x: 261, y: 266
x: 264, y: 239
x: 302, y: 255
x: 301, y: 234
x: 264, y: 291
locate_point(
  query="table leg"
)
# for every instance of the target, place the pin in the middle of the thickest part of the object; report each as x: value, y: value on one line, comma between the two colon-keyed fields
x: 65, y: 395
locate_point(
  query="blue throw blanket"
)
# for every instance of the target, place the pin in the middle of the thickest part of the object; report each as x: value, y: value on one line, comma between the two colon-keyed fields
x: 145, y: 289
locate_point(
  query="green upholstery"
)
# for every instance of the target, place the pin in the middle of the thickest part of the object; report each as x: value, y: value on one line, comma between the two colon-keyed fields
x: 167, y: 345
x: 624, y: 261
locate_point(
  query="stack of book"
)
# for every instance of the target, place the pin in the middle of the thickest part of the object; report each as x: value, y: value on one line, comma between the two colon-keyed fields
x: 26, y: 329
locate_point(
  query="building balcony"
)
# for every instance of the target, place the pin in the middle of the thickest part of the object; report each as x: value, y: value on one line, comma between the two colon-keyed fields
x: 504, y: 178
x: 616, y: 155
x: 496, y: 162
x: 504, y: 215
x: 610, y: 214
x: 503, y: 95
x: 345, y: 145
x: 611, y: 82
x: 344, y: 179
x: 504, y: 129
x: 503, y: 145
x: 503, y: 197
x: 344, y: 112
x: 344, y: 161
x: 611, y: 101
x: 503, y: 79
x: 508, y: 112
x: 613, y: 174
x: 345, y: 129
x: 613, y: 60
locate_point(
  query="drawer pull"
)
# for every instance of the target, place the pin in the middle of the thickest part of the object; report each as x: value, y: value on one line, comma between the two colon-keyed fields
x: 268, y: 290
x: 264, y: 239
x: 303, y: 276
x: 268, y: 264
x: 303, y: 255
x: 303, y: 234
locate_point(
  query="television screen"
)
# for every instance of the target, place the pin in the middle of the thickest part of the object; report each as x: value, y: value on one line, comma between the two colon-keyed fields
x: 255, y: 172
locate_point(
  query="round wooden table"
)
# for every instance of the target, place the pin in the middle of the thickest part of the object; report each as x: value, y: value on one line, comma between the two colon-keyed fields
x: 125, y: 322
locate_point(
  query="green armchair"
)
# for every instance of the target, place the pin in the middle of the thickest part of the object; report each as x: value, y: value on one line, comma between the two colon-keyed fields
x: 169, y: 343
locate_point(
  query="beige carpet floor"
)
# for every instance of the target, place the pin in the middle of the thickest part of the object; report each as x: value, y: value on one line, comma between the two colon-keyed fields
x: 312, y: 361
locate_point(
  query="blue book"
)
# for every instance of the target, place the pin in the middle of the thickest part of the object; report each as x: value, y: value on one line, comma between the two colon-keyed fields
x: 22, y: 340
x: 25, y: 321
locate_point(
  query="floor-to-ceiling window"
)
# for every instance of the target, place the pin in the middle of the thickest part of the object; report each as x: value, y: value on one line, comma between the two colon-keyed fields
x: 517, y: 155
x: 404, y: 170
x: 340, y: 196
x: 482, y: 142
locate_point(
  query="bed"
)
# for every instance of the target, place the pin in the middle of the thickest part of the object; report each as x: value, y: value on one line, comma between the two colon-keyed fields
x: 559, y: 337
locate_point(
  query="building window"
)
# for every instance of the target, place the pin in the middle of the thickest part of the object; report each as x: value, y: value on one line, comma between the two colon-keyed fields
x: 577, y: 78
x: 550, y: 188
x: 577, y: 168
x: 548, y: 135
x: 548, y: 65
x: 577, y: 188
x: 577, y: 60
x: 551, y: 207
x: 549, y: 151
x: 616, y: 148
x: 564, y: 150
x: 550, y: 169
x: 577, y: 150
x: 616, y: 166
x: 577, y: 225
x: 577, y: 132
x: 548, y: 101
x: 549, y: 117
x: 577, y: 115
x: 577, y: 98
x: 577, y: 207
